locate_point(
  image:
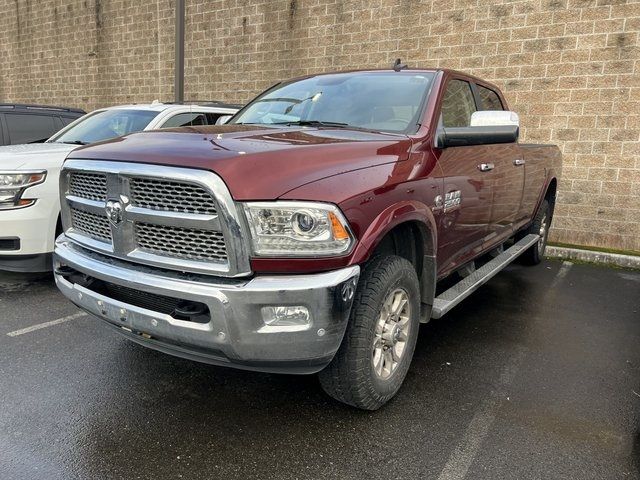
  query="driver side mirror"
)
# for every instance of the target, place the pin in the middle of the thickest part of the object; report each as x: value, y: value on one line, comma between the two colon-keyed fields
x: 222, y: 119
x: 486, y: 127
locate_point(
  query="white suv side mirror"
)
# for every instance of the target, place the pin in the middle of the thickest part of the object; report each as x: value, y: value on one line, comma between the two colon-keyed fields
x: 494, y: 118
x: 222, y: 119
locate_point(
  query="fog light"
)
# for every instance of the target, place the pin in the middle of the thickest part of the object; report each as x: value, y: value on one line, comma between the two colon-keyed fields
x: 284, y: 316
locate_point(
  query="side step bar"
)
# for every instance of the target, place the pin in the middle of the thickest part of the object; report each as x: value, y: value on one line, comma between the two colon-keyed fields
x: 465, y: 287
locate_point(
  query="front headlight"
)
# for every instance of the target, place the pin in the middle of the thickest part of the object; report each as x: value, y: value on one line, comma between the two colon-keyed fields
x: 13, y: 185
x: 297, y: 229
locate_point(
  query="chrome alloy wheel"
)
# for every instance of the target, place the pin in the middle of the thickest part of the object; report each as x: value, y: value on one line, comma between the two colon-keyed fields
x: 542, y: 243
x: 391, y: 333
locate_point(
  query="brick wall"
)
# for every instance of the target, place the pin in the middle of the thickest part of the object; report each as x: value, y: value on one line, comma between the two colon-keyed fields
x: 571, y: 68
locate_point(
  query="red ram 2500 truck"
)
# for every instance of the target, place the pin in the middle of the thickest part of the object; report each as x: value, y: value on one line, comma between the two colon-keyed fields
x: 311, y: 232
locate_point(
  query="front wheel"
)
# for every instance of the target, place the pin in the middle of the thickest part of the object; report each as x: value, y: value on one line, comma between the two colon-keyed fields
x: 378, y: 346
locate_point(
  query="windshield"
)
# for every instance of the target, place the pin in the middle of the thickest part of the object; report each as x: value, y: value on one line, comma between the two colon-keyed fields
x: 105, y: 124
x: 381, y: 101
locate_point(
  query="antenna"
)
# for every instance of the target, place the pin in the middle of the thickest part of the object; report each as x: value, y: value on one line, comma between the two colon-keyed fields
x: 399, y: 65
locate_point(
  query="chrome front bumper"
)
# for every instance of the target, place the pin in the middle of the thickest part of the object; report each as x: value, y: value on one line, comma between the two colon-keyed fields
x: 236, y: 334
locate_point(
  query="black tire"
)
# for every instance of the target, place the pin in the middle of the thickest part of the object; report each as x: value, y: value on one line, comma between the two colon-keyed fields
x: 350, y: 377
x: 535, y: 253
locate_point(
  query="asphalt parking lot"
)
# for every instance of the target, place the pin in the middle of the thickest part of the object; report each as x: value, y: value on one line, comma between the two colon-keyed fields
x: 536, y: 376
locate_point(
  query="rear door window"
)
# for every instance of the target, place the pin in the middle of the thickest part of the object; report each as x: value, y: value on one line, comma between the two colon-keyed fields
x: 186, y: 120
x: 212, y: 118
x: 457, y: 104
x: 67, y: 120
x: 490, y: 99
x: 26, y: 128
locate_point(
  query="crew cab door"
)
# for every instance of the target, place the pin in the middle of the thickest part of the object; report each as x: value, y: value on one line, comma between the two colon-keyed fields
x: 464, y: 210
x: 507, y: 179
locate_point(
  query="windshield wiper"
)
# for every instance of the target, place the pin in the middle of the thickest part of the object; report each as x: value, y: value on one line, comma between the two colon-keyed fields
x: 313, y: 123
x: 75, y: 142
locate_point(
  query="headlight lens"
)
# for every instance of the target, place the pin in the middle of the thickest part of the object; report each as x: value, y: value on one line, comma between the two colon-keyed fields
x: 13, y: 185
x: 297, y: 229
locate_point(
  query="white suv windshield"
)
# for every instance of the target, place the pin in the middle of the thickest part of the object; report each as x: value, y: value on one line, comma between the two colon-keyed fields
x: 381, y: 101
x: 106, y: 124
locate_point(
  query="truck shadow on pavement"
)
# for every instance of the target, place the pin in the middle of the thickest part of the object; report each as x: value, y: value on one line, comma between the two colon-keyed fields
x: 15, y: 282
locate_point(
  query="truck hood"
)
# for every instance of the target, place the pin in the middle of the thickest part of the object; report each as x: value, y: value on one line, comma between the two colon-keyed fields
x: 34, y: 155
x: 257, y: 163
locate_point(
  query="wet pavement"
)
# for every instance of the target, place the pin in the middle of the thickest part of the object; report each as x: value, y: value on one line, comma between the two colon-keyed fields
x: 535, y: 376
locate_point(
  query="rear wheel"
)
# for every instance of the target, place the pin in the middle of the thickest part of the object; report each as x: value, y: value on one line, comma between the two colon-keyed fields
x: 375, y: 354
x: 540, y: 226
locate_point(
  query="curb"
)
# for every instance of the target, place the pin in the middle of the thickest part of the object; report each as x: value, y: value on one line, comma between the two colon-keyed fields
x: 626, y: 261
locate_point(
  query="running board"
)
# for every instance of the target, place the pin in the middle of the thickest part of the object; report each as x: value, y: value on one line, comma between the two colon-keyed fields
x: 465, y: 287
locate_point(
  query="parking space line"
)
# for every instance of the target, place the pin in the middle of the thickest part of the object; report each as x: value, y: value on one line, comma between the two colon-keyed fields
x: 462, y: 457
x: 39, y: 326
x: 564, y: 269
x: 460, y: 460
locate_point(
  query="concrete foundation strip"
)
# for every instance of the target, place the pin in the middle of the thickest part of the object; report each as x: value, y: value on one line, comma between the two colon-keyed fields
x: 627, y: 261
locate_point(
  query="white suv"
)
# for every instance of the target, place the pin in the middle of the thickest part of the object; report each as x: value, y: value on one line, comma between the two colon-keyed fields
x: 29, y: 200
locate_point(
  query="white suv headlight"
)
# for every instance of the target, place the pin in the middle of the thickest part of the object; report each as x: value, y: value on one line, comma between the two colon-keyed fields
x: 297, y: 229
x: 13, y: 184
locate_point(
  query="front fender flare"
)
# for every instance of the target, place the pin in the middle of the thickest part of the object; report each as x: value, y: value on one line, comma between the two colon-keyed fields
x: 391, y: 217
x: 395, y: 215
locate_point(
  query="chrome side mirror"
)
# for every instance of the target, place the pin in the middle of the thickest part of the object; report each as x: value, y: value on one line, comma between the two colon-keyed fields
x: 494, y: 118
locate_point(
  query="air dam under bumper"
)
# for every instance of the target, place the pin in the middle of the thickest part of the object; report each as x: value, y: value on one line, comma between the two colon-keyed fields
x: 236, y: 334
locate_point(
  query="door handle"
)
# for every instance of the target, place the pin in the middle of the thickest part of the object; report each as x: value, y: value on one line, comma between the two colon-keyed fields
x: 518, y: 161
x: 485, y: 167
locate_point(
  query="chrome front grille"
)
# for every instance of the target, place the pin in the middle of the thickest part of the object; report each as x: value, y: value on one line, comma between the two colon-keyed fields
x: 92, y: 225
x: 169, y: 217
x: 171, y: 196
x: 88, y: 185
x: 190, y: 243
